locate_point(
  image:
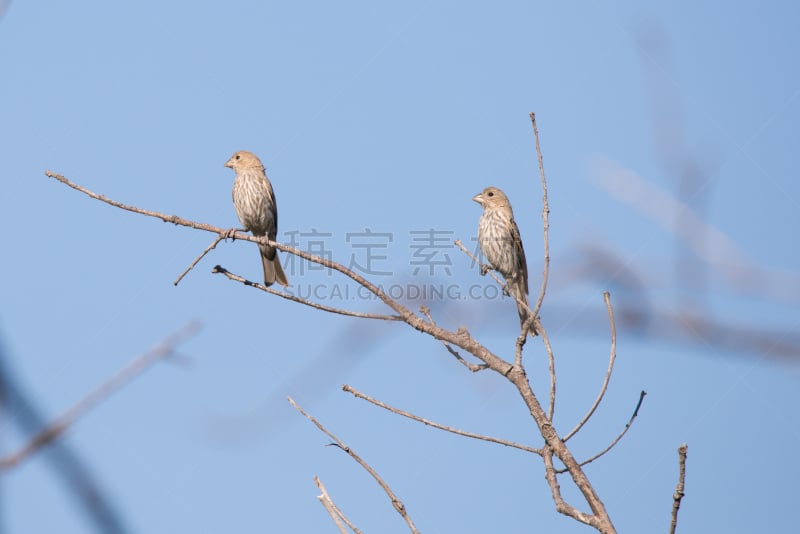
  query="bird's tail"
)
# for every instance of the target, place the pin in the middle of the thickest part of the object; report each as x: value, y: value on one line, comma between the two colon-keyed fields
x: 516, y: 290
x: 273, y: 272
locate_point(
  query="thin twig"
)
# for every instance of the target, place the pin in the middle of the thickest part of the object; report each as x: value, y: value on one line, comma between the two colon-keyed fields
x: 521, y: 338
x: 610, y: 310
x: 166, y: 218
x: 336, y: 513
x: 678, y: 495
x: 474, y: 367
x: 433, y: 424
x: 135, y: 367
x: 208, y: 249
x: 552, y: 366
x: 619, y: 437
x: 396, y: 502
x: 218, y: 269
x: 545, y: 220
x: 525, y: 329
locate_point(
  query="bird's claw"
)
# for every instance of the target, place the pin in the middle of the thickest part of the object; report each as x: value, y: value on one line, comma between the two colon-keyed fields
x: 484, y: 269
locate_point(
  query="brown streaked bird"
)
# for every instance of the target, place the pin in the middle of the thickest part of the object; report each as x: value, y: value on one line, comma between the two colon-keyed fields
x: 255, y: 205
x: 498, y: 237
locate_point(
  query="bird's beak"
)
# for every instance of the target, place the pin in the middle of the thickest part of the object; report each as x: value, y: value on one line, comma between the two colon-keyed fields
x: 478, y: 198
x: 229, y: 163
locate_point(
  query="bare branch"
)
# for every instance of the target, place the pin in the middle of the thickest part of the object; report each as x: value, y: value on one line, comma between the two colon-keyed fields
x: 619, y: 437
x: 405, y: 314
x: 428, y: 422
x: 335, y: 512
x: 58, y: 426
x: 218, y: 269
x: 545, y: 222
x: 460, y: 339
x: 208, y: 249
x: 609, y: 309
x: 396, y: 502
x: 678, y: 496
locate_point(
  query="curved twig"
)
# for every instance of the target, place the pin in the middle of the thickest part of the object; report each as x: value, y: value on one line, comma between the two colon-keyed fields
x: 619, y: 437
x: 609, y: 309
x: 552, y: 366
x: 433, y: 424
x: 545, y: 221
x: 396, y: 502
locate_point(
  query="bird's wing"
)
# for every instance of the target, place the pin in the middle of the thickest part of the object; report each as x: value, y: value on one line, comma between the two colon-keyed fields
x: 522, y: 265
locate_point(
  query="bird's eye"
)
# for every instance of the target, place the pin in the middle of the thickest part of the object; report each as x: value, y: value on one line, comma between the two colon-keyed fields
x: 238, y: 156
x: 490, y: 194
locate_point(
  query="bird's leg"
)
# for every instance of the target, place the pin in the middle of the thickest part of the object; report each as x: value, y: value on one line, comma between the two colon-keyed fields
x: 230, y: 234
x: 484, y: 269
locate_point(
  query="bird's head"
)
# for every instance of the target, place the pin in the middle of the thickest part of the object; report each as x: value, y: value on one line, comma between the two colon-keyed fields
x: 491, y: 197
x: 243, y: 160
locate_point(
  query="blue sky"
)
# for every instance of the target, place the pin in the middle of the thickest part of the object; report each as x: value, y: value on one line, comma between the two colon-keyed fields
x: 390, y: 118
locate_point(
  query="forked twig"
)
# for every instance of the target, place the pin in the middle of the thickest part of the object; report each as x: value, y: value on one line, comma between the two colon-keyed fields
x: 678, y: 495
x: 433, y: 424
x: 135, y: 367
x: 609, y: 309
x: 474, y: 367
x: 396, y: 502
x: 555, y: 489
